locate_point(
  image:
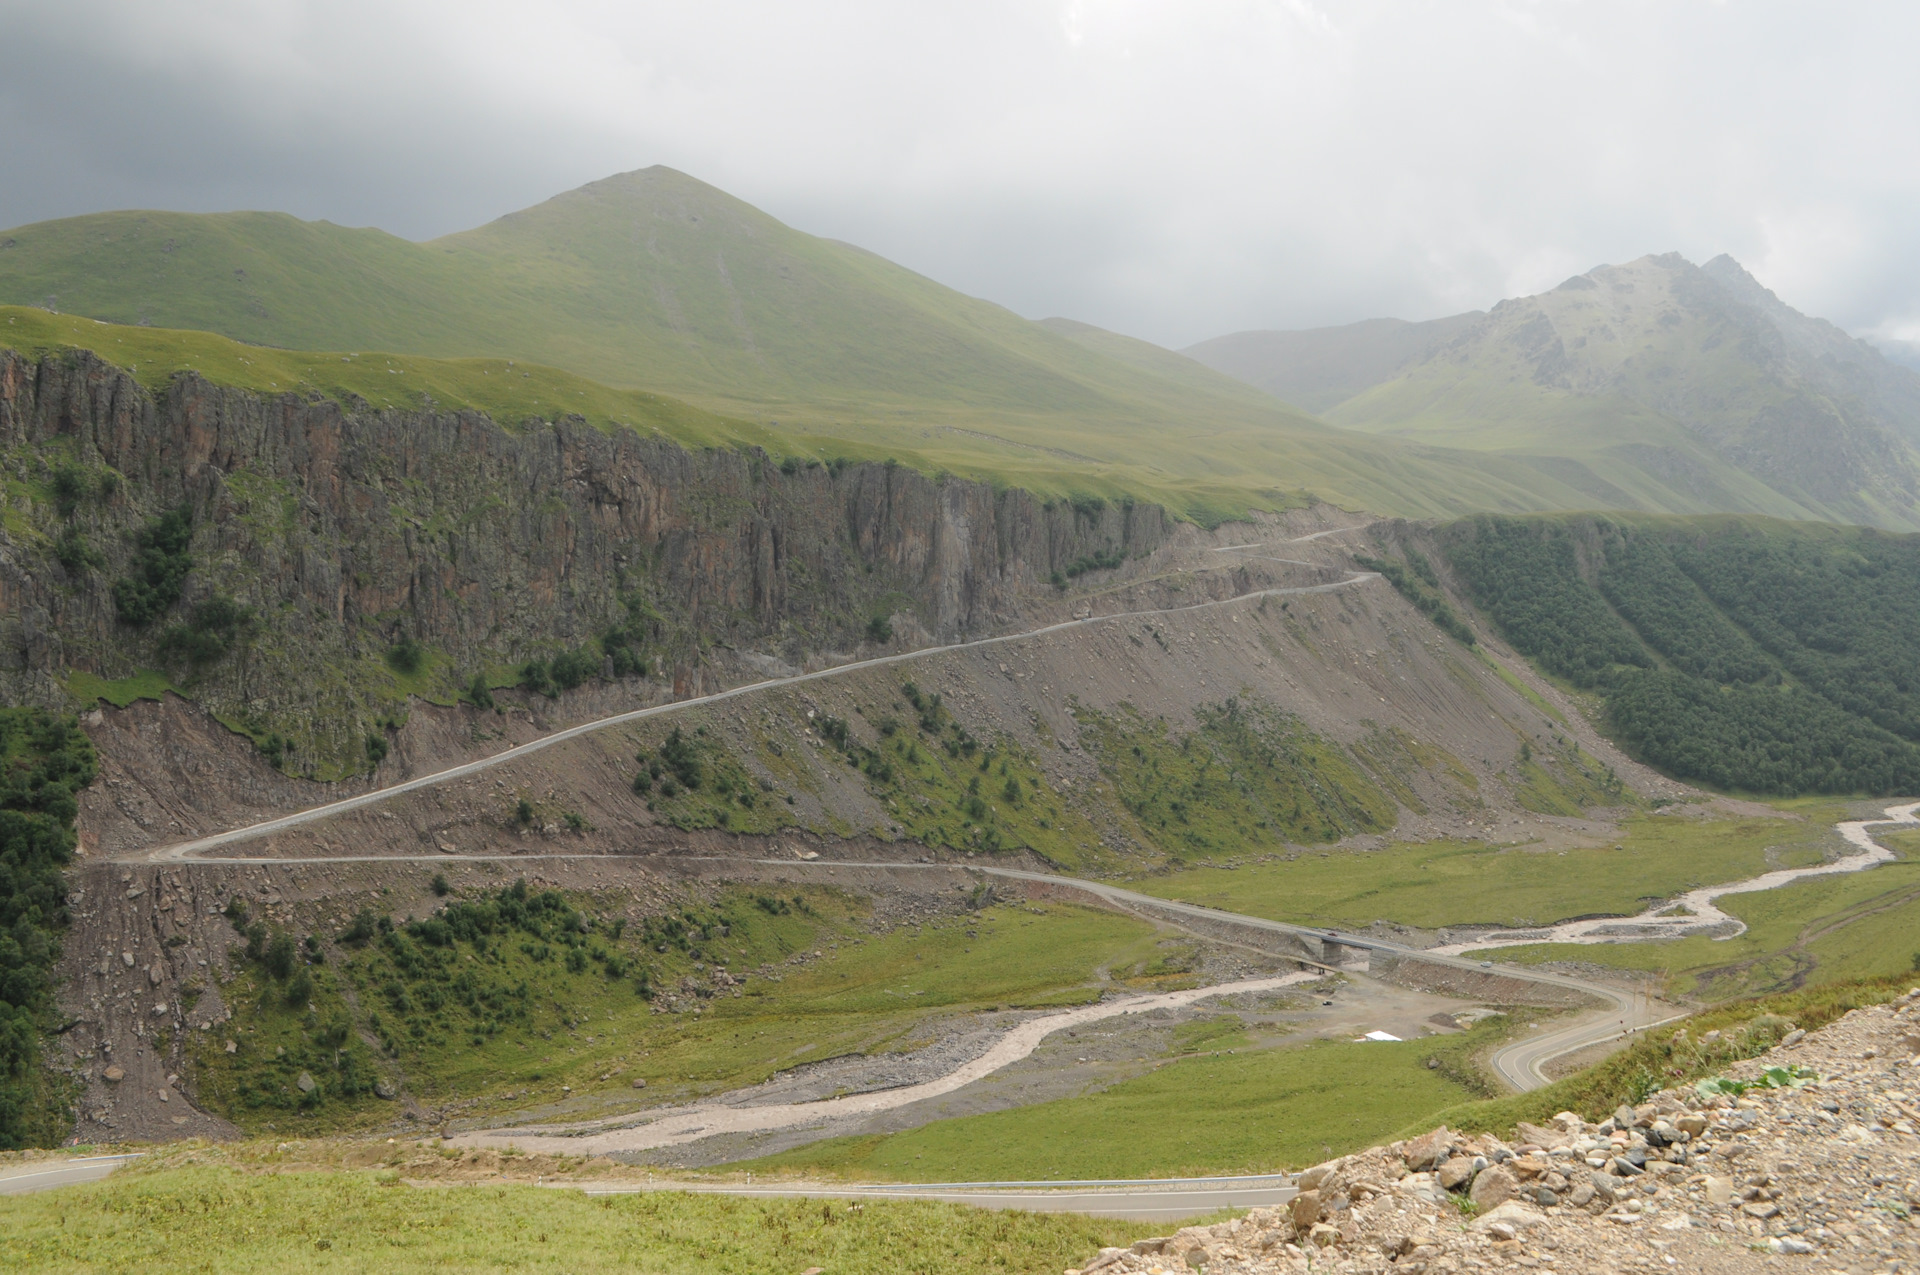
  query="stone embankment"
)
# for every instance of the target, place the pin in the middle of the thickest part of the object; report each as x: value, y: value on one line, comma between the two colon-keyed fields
x: 1821, y: 1175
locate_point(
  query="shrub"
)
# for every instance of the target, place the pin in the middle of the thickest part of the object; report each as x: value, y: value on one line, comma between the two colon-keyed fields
x: 215, y: 627
x: 300, y: 990
x: 361, y: 931
x: 236, y: 912
x: 571, y: 668
x: 523, y: 812
x: 376, y: 748
x: 257, y: 941
x: 161, y: 563
x: 678, y: 754
x: 280, y: 957
x: 69, y: 486
x: 535, y: 677
x: 880, y: 629
x: 406, y: 656
x: 478, y: 693
x: 73, y: 552
x: 440, y: 886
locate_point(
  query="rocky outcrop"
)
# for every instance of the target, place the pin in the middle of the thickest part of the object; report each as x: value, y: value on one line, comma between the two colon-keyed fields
x: 1816, y: 1156
x: 343, y: 529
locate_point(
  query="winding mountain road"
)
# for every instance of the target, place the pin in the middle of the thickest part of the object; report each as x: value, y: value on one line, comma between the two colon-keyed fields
x: 185, y: 851
x: 1518, y: 1064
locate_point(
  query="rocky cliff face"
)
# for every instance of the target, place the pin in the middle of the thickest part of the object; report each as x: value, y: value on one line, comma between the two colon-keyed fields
x: 344, y: 529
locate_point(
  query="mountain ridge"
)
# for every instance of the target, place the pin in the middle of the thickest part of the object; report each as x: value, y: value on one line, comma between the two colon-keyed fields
x: 1676, y: 386
x: 686, y: 291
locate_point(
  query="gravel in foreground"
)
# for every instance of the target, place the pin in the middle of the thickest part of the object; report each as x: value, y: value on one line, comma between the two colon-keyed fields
x: 1822, y: 1175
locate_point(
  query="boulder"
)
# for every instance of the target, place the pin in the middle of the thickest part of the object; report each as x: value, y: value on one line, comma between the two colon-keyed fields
x: 1304, y: 1210
x: 383, y: 1088
x: 306, y: 1083
x: 1323, y: 1236
x: 1546, y: 1139
x: 1513, y: 1216
x: 1455, y: 1173
x: 1310, y: 1179
x: 1429, y: 1150
x: 1527, y: 1166
x: 114, y: 1075
x: 1494, y: 1187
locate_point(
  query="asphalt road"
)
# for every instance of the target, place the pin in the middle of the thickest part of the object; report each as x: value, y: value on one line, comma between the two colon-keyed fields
x: 1164, y: 1200
x: 44, y: 1175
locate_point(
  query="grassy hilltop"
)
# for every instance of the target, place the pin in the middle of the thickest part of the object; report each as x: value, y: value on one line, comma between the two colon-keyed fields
x: 1656, y: 385
x: 653, y: 280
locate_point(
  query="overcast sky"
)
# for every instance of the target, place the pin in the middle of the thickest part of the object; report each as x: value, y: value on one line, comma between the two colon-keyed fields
x: 1173, y: 169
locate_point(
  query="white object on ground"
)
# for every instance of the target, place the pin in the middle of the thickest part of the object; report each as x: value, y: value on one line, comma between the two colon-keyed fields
x: 704, y: 1120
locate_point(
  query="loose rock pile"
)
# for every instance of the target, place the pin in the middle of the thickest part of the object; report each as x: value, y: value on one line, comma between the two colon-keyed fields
x: 1820, y: 1177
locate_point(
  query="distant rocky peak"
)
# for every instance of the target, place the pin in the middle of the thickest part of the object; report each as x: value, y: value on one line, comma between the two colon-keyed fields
x: 1739, y: 284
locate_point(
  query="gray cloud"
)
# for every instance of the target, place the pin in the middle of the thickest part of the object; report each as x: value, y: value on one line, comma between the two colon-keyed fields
x: 1170, y: 170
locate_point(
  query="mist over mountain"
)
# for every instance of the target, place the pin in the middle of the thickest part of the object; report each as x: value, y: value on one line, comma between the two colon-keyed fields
x: 1655, y: 384
x: 655, y: 280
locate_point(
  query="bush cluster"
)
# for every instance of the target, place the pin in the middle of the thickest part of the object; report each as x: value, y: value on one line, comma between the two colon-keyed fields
x: 160, y: 566
x: 45, y: 761
x: 1417, y: 582
x: 213, y: 629
x: 430, y: 993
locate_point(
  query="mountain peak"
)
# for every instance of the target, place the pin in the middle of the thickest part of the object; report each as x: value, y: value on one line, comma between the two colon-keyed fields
x: 1734, y: 277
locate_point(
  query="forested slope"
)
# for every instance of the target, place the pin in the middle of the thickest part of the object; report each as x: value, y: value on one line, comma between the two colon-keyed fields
x: 44, y: 762
x: 1745, y: 653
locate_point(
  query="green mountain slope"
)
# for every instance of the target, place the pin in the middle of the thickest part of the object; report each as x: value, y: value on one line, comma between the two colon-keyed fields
x: 1320, y: 368
x: 1746, y: 653
x: 652, y: 280
x: 1656, y: 385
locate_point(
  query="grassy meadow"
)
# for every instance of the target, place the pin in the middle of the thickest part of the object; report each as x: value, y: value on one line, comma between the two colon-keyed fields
x: 1228, y: 1109
x: 523, y: 1018
x: 176, y: 1215
x: 1448, y: 882
x: 1863, y: 925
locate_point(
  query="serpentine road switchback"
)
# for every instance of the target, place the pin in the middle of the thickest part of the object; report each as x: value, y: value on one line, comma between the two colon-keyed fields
x: 1519, y: 1063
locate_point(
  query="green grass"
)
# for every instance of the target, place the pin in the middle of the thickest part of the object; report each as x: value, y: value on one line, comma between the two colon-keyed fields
x: 179, y: 1217
x: 721, y: 306
x: 1861, y: 925
x: 1244, y: 1112
x: 1675, y: 354
x: 1437, y: 883
x: 1248, y: 778
x: 548, y: 1027
x: 146, y: 684
x: 511, y: 393
x: 1674, y: 1056
x: 944, y: 788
